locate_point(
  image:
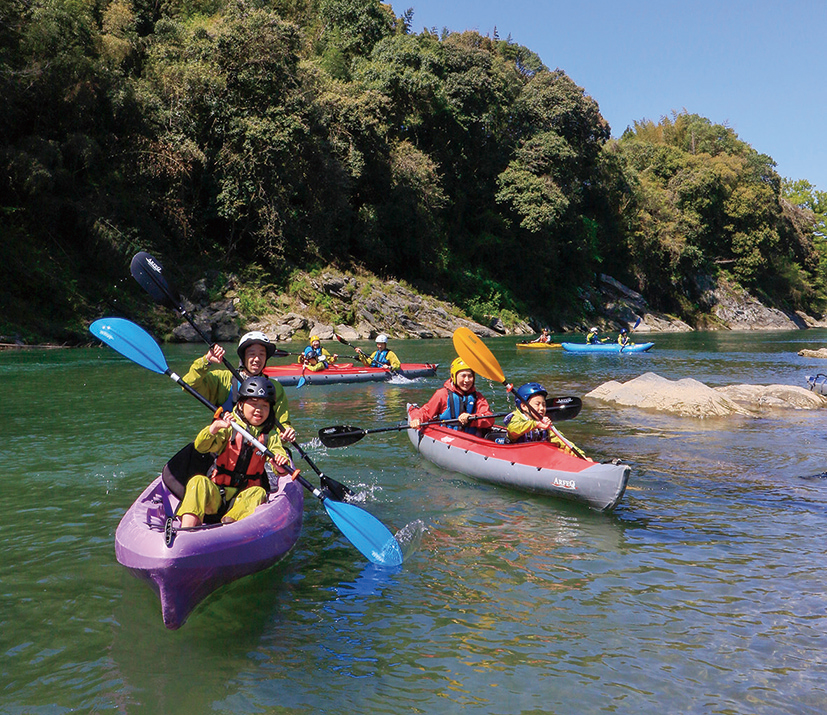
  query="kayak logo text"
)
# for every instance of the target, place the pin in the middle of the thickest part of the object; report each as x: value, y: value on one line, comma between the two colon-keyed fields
x: 565, y: 483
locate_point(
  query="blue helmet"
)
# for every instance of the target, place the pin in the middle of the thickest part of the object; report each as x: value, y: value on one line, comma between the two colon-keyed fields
x: 525, y: 392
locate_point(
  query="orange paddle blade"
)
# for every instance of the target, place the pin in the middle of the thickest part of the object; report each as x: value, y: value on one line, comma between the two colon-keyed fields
x: 478, y: 357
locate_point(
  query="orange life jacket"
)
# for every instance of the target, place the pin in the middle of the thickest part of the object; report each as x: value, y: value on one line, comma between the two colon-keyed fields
x: 240, y: 465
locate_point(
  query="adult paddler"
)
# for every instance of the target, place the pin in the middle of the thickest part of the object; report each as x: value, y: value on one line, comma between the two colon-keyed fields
x: 381, y: 357
x: 221, y: 388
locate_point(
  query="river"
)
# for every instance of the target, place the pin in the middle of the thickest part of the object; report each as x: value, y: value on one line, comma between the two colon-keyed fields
x: 703, y: 592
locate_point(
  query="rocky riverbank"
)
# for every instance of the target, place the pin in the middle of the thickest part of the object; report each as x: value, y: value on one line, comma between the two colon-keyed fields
x: 362, y: 306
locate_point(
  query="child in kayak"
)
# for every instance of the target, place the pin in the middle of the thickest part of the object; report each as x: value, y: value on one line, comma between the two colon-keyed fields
x: 237, y: 478
x: 457, y: 399
x: 528, y: 422
x: 315, y: 357
x: 543, y: 338
x: 623, y: 338
x: 381, y: 357
x: 220, y: 387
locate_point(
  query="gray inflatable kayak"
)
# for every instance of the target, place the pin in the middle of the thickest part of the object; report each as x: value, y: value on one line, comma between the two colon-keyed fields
x: 537, y: 467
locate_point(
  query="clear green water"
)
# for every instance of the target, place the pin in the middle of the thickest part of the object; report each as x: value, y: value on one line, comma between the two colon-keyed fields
x: 703, y: 592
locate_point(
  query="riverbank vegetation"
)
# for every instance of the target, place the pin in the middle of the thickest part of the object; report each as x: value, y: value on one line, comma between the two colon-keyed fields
x: 286, y: 134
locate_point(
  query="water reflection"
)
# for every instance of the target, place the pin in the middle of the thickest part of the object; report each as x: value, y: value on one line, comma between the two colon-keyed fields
x: 703, y: 592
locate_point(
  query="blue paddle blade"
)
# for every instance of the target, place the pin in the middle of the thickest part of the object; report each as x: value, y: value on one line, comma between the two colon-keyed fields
x: 131, y: 341
x: 301, y: 381
x: 365, y: 532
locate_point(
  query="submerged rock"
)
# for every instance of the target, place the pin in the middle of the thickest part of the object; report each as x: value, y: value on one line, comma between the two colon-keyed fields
x: 691, y: 398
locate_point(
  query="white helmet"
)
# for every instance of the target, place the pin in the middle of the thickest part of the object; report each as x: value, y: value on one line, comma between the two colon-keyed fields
x: 381, y: 338
x: 593, y: 330
x: 256, y: 337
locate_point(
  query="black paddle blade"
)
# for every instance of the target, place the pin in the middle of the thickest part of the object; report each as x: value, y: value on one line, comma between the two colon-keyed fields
x: 150, y: 275
x: 559, y: 409
x: 340, y: 435
x: 333, y: 489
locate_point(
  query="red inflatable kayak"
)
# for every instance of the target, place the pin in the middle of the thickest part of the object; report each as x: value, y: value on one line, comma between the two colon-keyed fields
x: 346, y: 372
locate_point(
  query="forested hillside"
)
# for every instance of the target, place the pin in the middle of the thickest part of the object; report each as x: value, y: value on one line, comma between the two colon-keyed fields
x: 261, y: 137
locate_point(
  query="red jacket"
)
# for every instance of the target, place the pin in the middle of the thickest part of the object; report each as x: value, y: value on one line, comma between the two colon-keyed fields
x: 438, y: 403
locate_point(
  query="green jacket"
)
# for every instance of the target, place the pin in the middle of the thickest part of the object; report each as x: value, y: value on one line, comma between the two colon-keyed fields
x: 216, y: 386
x: 205, y: 441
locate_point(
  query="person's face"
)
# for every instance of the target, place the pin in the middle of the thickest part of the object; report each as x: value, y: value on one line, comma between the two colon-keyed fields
x: 316, y: 344
x: 537, y: 403
x: 381, y: 346
x: 255, y: 358
x: 465, y: 380
x: 256, y: 410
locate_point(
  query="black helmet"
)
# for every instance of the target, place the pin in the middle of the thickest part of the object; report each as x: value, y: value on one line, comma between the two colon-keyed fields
x: 257, y: 386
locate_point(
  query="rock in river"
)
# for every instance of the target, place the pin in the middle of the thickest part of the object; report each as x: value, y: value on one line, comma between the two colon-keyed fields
x: 691, y: 398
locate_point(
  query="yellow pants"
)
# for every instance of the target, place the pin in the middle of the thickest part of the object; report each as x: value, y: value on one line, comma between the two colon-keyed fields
x: 203, y: 496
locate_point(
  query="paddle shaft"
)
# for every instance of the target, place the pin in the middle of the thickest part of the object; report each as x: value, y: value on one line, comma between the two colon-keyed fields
x: 215, y: 410
x: 150, y: 275
x: 358, y: 355
x: 399, y: 428
x: 367, y: 534
x: 565, y: 408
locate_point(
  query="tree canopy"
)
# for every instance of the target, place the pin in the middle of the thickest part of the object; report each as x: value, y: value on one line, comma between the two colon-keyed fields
x: 292, y: 133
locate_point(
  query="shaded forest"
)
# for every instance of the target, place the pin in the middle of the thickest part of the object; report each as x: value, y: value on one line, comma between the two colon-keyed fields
x: 263, y: 137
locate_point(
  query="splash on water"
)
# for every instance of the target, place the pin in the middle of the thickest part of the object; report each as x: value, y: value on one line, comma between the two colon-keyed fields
x: 410, y: 538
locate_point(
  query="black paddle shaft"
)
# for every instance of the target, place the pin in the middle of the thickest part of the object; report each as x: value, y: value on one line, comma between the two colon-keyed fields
x: 559, y: 409
x: 150, y: 275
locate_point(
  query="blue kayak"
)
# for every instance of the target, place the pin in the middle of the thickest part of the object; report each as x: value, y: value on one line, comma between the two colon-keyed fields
x: 606, y: 348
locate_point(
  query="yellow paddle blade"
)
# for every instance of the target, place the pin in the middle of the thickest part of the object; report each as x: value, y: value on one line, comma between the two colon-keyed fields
x: 478, y: 357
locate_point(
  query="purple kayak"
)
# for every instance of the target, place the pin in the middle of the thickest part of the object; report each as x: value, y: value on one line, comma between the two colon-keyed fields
x: 185, y: 566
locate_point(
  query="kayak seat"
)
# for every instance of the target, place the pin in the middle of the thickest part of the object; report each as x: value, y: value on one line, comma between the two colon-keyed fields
x: 498, y: 435
x: 186, y: 463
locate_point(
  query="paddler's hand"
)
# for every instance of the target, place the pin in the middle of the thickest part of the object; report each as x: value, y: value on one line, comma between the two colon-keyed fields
x: 414, y: 423
x: 222, y: 423
x: 215, y: 354
x: 279, y: 460
x: 289, y: 435
x: 464, y: 419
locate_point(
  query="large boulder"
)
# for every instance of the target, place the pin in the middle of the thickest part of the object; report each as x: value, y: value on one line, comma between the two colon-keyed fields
x: 691, y: 398
x: 686, y: 397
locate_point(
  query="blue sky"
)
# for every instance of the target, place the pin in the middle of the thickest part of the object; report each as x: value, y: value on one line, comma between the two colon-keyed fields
x: 759, y: 67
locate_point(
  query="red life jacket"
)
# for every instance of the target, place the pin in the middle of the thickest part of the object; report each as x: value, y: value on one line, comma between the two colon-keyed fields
x: 240, y: 465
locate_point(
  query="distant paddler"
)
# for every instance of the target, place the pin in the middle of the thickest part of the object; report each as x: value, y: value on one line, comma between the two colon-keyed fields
x: 315, y: 357
x: 381, y: 357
